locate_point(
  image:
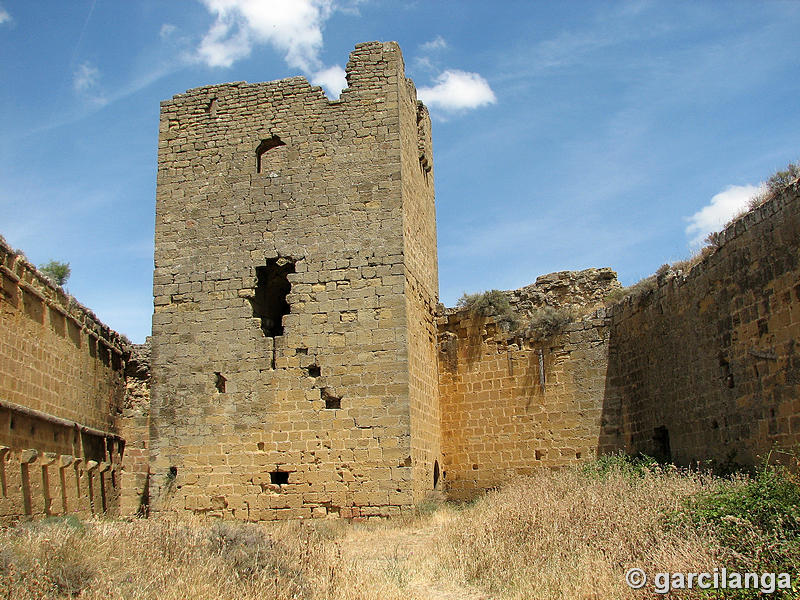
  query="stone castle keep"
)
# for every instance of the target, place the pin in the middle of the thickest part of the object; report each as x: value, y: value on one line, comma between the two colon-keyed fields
x: 300, y: 365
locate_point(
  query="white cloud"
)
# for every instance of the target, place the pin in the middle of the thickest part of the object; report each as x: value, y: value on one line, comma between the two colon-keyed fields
x: 457, y: 90
x: 332, y: 79
x: 85, y: 77
x: 85, y: 82
x: 293, y: 27
x: 722, y: 208
x: 437, y: 43
x: 167, y: 29
x: 4, y: 16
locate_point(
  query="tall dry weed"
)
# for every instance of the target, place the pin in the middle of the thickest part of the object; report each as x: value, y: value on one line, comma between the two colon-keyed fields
x: 567, y: 535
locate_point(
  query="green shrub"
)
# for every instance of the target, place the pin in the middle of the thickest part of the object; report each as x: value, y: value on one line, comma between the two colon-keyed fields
x: 547, y: 321
x: 776, y: 183
x: 55, y: 271
x: 638, y: 290
x: 493, y: 303
x: 619, y: 462
x: 756, y: 519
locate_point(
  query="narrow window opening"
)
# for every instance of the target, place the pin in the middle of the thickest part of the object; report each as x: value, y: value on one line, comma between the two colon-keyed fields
x: 269, y: 302
x: 435, y: 473
x: 661, y: 446
x: 279, y: 477
x: 314, y: 371
x: 172, y: 473
x: 264, y: 147
x: 331, y: 401
x: 219, y: 382
x: 211, y: 109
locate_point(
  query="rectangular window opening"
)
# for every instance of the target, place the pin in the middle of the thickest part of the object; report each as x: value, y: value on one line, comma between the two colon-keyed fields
x: 279, y: 477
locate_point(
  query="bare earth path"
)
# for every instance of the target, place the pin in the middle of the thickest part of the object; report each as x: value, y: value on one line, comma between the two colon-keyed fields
x: 403, y: 554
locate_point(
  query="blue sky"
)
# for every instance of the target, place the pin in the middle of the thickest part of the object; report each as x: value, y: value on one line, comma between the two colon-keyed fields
x: 566, y: 134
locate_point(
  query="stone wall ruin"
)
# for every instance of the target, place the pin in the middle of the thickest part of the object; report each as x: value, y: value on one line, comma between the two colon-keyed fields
x: 299, y: 366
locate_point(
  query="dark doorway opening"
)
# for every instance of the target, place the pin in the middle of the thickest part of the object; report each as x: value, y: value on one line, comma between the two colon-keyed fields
x: 661, y: 448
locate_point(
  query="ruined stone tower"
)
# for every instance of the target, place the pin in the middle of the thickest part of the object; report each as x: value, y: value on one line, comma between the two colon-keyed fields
x: 294, y: 353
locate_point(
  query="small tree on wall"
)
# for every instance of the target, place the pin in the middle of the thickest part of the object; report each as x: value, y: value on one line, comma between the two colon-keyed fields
x: 55, y: 271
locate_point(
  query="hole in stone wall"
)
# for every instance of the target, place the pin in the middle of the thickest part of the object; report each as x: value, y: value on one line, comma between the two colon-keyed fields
x: 538, y: 454
x: 314, y: 371
x: 94, y: 447
x: 301, y: 350
x: 211, y: 109
x: 260, y: 446
x: 116, y: 361
x: 331, y: 401
x: 219, y: 382
x: 9, y: 291
x: 272, y: 287
x: 264, y: 147
x: 172, y: 473
x: 279, y: 477
x: 33, y: 306
x: 103, y: 354
x: 661, y: 447
x: 435, y: 473
x: 58, y: 322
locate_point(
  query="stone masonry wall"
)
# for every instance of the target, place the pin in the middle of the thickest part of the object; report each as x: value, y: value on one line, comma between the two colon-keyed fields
x: 510, y: 405
x: 581, y: 291
x: 258, y: 413
x: 61, y: 389
x: 707, y: 366
x: 133, y: 426
x: 422, y: 291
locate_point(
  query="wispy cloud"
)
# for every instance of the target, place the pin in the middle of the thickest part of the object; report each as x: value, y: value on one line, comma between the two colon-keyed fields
x: 86, y: 83
x: 437, y: 43
x: 4, y: 16
x: 292, y: 27
x: 167, y: 29
x: 722, y: 208
x: 456, y: 91
x: 85, y: 77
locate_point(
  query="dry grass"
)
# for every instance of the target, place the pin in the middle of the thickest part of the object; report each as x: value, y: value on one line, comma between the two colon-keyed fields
x: 165, y: 559
x: 569, y: 535
x: 566, y: 535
